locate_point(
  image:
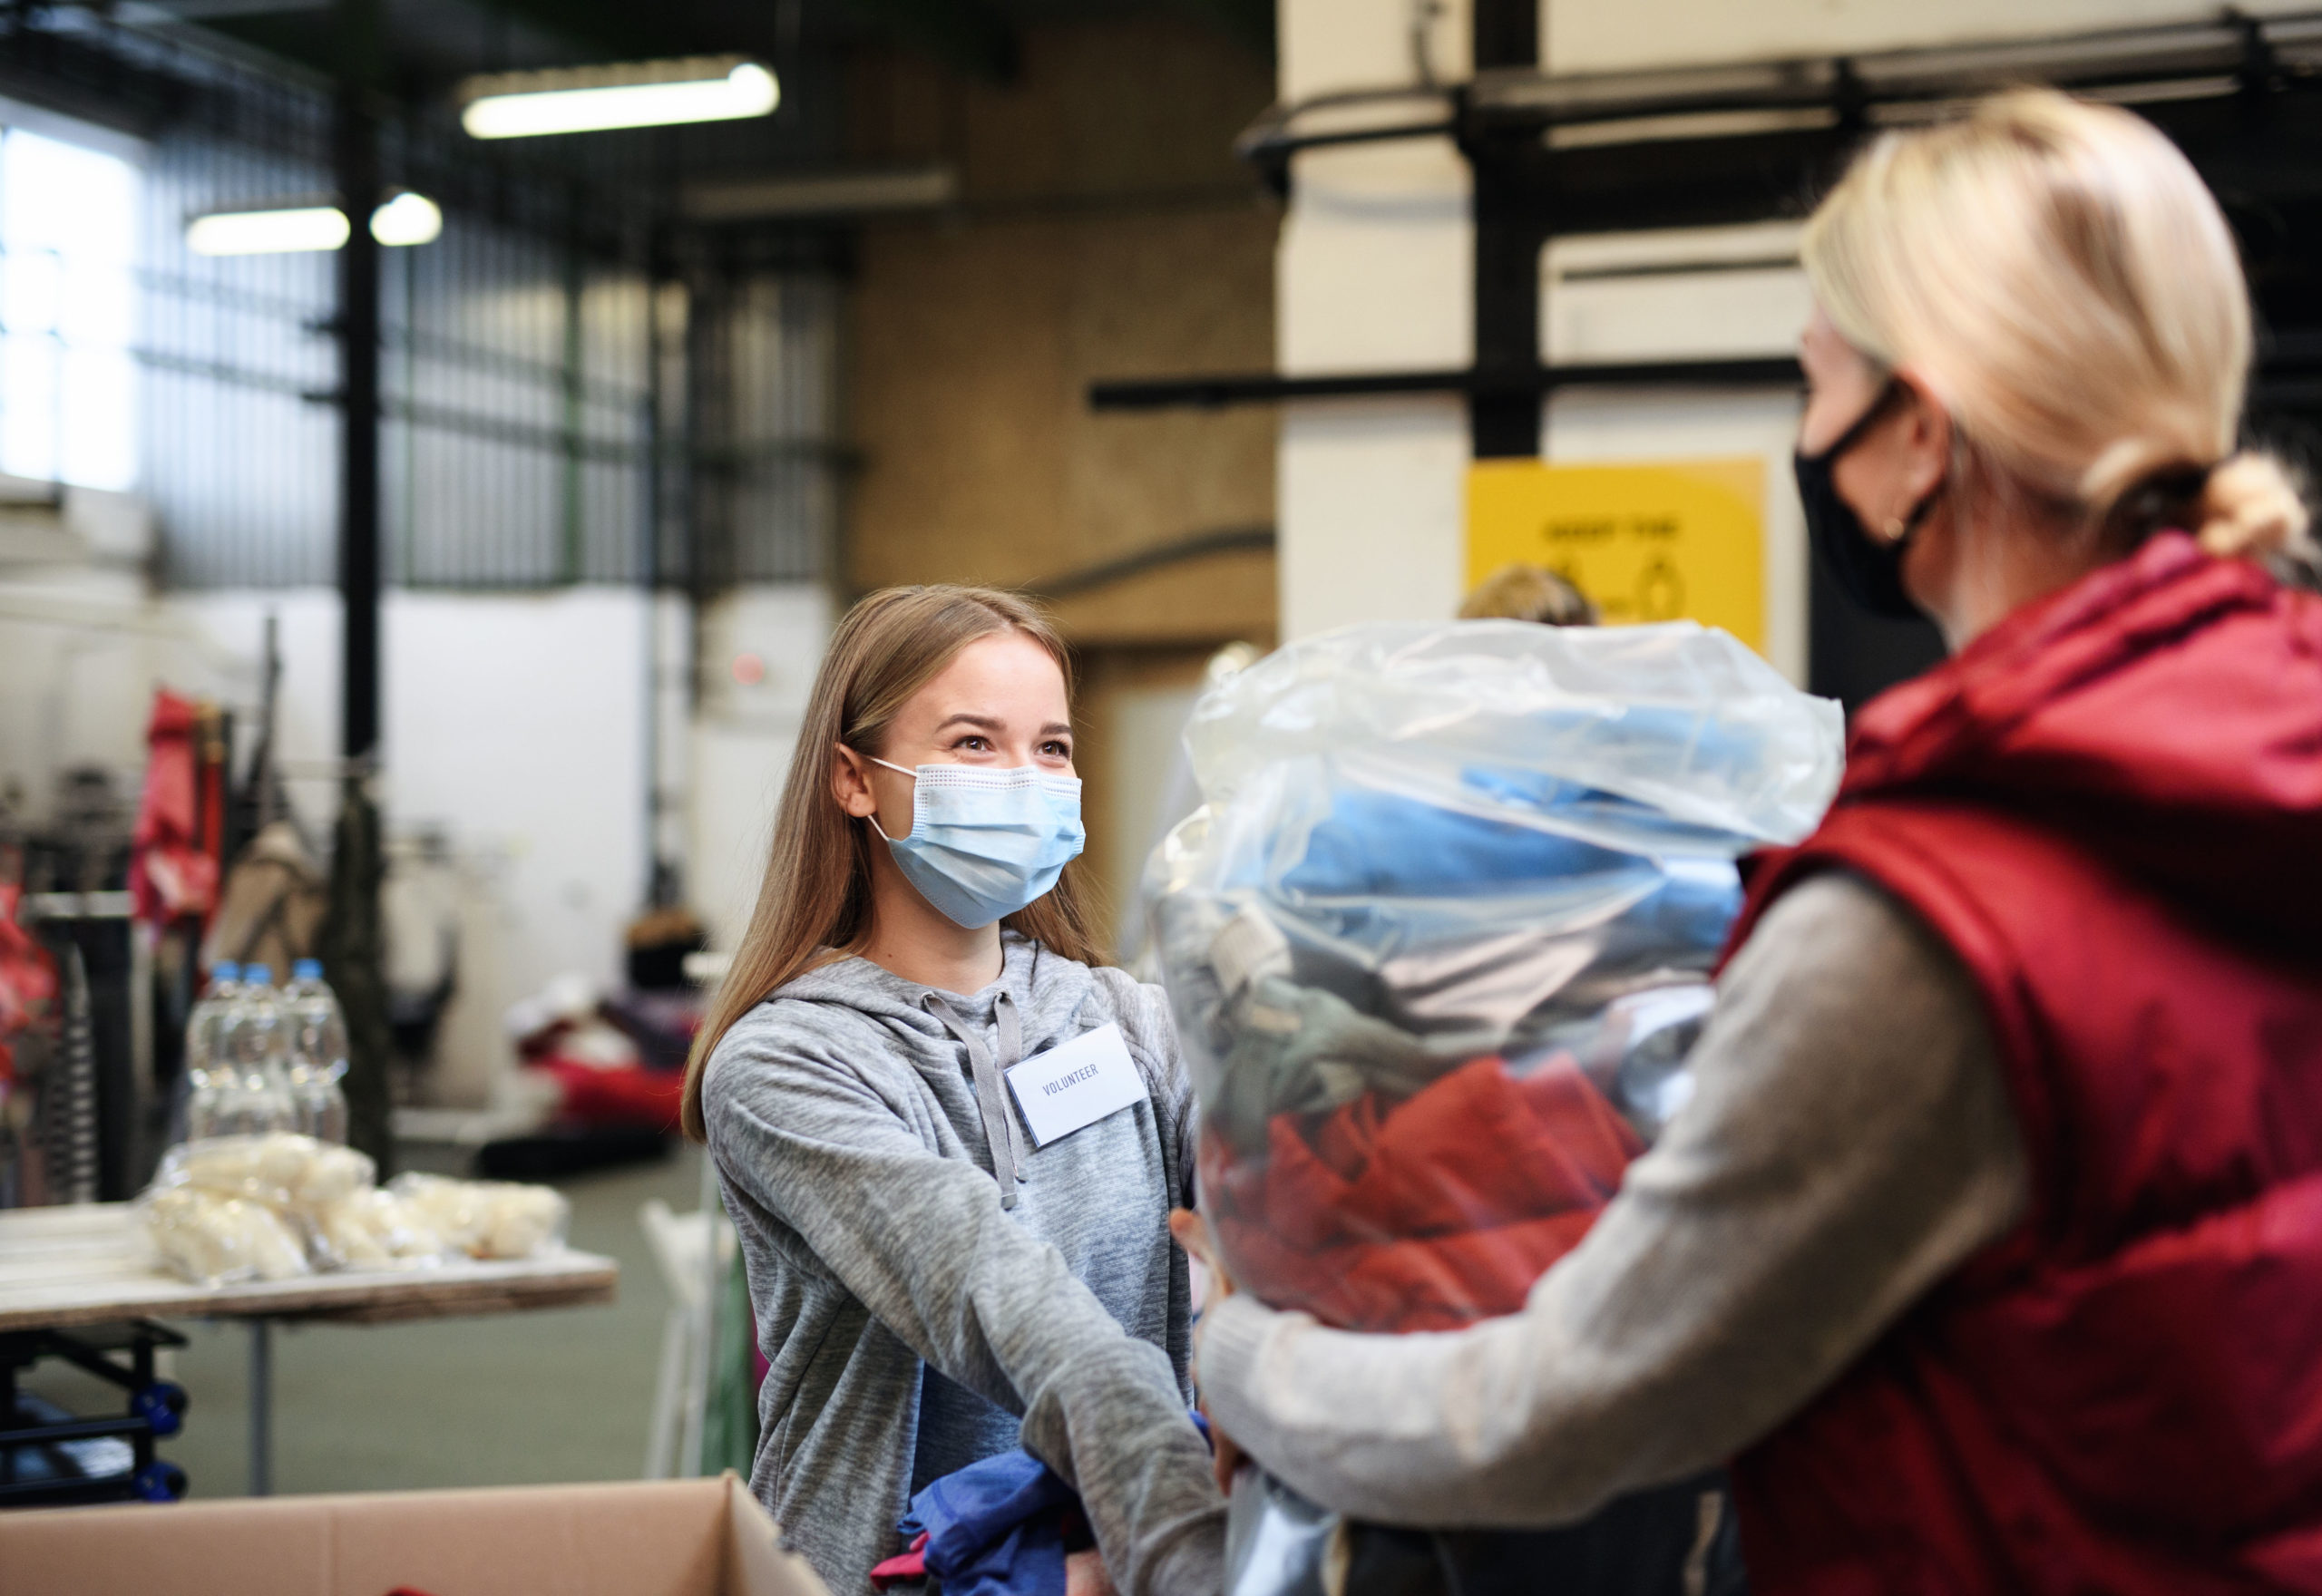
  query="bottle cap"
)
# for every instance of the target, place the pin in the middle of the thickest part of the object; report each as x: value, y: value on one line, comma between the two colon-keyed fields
x: 306, y: 969
x: 259, y: 975
x: 225, y: 969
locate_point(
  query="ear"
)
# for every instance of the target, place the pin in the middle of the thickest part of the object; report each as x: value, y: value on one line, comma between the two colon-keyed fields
x: 1927, y: 438
x: 851, y: 782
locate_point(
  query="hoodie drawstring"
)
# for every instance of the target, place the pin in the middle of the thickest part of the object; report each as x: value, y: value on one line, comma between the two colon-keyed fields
x: 1000, y: 1128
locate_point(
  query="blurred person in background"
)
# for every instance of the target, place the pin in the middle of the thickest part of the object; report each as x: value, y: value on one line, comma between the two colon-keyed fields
x: 1990, y: 1245
x: 1528, y: 592
x: 929, y: 1286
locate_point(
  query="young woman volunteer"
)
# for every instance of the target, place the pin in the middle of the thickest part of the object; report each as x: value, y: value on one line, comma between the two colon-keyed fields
x: 1990, y: 1245
x: 950, y: 1139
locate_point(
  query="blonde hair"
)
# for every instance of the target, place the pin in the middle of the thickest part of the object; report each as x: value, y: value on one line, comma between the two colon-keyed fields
x: 2064, y: 282
x: 1528, y: 592
x: 814, y: 904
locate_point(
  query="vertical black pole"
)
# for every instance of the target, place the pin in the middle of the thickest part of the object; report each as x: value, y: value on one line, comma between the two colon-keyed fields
x: 1511, y: 228
x: 351, y: 950
x: 358, y: 331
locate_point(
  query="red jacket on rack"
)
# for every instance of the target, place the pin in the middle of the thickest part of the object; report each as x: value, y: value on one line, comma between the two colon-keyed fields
x: 2111, y: 808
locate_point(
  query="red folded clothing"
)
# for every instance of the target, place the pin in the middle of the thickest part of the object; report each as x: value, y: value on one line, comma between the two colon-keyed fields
x: 1423, y: 1214
x: 623, y: 1095
x: 912, y: 1565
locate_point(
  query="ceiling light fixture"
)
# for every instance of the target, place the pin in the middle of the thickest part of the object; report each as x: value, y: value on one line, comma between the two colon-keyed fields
x: 404, y: 219
x: 643, y: 94
x: 280, y: 230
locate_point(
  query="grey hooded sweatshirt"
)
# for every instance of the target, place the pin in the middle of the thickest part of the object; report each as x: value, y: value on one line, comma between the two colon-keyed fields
x: 912, y: 1317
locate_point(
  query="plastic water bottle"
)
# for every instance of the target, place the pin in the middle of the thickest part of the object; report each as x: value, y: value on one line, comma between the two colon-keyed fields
x: 253, y: 1041
x: 318, y: 1053
x: 205, y: 1062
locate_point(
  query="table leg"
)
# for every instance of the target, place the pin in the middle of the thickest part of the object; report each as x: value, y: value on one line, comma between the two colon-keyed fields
x: 261, y: 1408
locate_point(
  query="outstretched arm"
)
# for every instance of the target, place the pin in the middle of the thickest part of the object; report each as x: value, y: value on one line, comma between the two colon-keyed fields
x: 922, y: 1242
x: 1850, y: 1143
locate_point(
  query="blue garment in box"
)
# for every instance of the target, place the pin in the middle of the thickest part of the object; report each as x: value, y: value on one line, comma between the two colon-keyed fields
x: 995, y: 1528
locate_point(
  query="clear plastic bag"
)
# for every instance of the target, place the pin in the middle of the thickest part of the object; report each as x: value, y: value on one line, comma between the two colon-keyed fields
x: 1442, y: 935
x: 373, y: 1228
x: 281, y: 1168
x: 486, y: 1219
x: 213, y: 1239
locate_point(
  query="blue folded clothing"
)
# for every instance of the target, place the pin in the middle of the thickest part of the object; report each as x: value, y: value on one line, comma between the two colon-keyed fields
x: 1377, y: 844
x: 996, y: 1528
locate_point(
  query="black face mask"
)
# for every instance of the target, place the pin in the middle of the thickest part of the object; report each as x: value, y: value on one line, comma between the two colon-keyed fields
x: 1868, y: 570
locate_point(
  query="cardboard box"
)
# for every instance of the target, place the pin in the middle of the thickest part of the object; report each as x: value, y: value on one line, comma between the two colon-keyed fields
x: 657, y: 1538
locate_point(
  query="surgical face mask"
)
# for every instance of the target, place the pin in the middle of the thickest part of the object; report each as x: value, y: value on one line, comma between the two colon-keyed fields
x: 1869, y: 569
x: 984, y: 843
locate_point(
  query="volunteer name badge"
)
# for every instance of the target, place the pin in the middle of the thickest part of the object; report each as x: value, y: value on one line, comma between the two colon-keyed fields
x: 1076, y: 1083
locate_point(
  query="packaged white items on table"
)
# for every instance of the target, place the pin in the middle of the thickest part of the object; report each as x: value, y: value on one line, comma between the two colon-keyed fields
x: 1442, y: 933
x: 211, y: 1240
x: 486, y: 1219
x: 229, y: 1209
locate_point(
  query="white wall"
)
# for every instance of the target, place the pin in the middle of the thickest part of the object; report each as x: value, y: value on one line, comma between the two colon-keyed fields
x: 517, y: 723
x: 1375, y: 274
x: 743, y: 738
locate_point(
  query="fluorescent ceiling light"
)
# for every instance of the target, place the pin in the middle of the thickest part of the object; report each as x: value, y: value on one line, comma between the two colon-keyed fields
x: 284, y: 231
x: 651, y: 94
x: 406, y: 218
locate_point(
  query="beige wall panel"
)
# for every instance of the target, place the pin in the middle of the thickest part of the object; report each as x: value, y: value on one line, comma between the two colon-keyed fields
x: 1147, y: 105
x: 1105, y: 230
x: 1174, y: 294
x: 973, y: 351
x: 1133, y: 702
x: 1220, y: 599
x: 959, y: 360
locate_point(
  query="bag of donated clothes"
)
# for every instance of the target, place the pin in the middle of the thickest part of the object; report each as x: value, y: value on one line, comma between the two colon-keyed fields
x: 1437, y: 943
x: 1442, y: 933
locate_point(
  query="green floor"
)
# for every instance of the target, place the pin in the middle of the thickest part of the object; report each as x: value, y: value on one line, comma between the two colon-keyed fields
x: 513, y: 1399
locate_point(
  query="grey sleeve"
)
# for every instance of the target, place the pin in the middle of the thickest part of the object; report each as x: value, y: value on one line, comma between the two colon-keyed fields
x: 1849, y: 1143
x: 1151, y: 1029
x: 922, y: 1242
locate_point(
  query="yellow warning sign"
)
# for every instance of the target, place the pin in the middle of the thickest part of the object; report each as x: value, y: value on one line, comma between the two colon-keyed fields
x: 1670, y: 541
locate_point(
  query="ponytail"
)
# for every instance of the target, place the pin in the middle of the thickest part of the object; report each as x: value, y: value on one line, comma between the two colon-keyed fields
x: 2252, y: 508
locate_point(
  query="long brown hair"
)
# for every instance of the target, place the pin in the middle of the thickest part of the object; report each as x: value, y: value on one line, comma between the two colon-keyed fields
x: 815, y: 906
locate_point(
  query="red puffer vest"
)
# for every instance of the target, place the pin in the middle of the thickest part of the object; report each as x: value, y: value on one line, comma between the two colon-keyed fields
x: 2111, y: 808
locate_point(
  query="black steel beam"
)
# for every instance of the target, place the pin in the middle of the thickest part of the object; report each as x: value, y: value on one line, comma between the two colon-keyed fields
x: 1216, y: 393
x: 360, y: 192
x: 1176, y: 551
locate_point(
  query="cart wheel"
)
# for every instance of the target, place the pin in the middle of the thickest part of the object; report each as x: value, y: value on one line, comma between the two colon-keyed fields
x: 162, y: 1406
x: 159, y: 1482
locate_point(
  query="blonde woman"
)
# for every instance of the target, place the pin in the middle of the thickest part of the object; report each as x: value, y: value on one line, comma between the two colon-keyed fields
x: 943, y: 1250
x: 1989, y: 1248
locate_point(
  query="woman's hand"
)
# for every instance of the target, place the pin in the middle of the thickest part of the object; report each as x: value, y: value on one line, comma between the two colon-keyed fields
x: 1192, y: 1233
x: 1085, y: 1575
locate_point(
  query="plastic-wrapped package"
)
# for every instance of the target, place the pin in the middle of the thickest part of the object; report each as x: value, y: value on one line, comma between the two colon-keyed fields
x: 266, y: 1207
x: 373, y: 1228
x: 486, y: 1219
x: 1441, y: 934
x: 213, y: 1239
x: 278, y: 1168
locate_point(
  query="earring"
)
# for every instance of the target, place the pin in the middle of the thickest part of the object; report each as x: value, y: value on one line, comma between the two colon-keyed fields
x: 1896, y: 529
